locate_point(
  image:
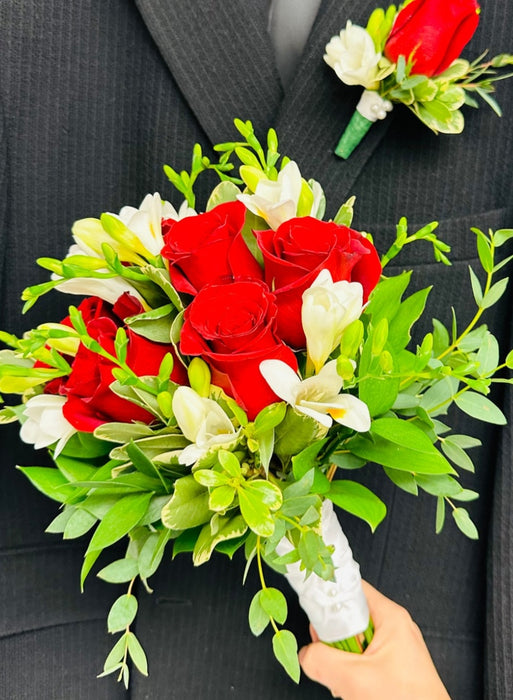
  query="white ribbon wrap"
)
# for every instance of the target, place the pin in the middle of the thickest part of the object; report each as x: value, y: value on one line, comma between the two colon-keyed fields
x: 337, y: 609
x: 372, y: 106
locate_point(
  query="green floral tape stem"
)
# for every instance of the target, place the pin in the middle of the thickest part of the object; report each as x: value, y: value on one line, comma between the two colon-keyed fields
x: 354, y: 133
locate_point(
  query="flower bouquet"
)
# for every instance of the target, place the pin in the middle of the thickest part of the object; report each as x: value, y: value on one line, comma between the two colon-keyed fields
x: 224, y: 375
x: 411, y: 55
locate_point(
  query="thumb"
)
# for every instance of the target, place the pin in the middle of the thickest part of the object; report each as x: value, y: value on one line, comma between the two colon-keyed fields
x: 335, y: 669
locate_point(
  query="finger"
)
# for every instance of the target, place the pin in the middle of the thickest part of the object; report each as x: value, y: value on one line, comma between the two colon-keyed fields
x: 330, y: 666
x: 380, y: 607
x: 313, y: 634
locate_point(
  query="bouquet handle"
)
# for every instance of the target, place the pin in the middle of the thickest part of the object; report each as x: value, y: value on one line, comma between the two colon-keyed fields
x: 337, y: 609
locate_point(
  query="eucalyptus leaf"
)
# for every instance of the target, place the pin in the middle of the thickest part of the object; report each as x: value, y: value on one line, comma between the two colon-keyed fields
x: 122, y: 613
x: 480, y: 407
x: 119, y: 571
x: 137, y: 654
x: 464, y: 523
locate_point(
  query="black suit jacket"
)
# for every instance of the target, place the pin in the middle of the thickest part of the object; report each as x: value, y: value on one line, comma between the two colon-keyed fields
x: 95, y: 97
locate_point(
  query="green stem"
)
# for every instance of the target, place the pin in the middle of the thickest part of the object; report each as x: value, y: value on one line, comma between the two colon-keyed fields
x: 358, y: 643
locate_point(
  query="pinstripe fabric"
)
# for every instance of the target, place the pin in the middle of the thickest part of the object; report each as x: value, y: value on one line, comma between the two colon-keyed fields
x: 96, y: 96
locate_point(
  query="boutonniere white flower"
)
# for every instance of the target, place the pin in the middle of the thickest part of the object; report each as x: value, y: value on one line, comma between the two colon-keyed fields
x: 411, y: 55
x: 353, y: 56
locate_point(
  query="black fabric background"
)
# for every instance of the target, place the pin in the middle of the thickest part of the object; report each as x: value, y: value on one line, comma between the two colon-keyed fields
x: 95, y: 97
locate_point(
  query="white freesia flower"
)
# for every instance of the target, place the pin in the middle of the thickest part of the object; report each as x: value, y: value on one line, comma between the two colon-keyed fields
x: 202, y: 421
x: 45, y: 422
x: 353, y: 57
x: 276, y: 201
x: 318, y: 396
x: 145, y: 222
x: 328, y: 308
x: 107, y: 288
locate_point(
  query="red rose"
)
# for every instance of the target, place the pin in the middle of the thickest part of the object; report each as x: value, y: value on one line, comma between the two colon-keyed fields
x: 90, y: 402
x: 232, y: 327
x: 296, y: 253
x: 208, y: 248
x: 433, y: 33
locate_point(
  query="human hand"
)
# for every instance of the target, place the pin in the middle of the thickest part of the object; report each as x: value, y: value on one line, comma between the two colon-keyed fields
x: 395, y: 666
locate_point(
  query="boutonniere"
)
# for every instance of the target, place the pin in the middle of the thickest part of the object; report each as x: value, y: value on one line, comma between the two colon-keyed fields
x: 411, y: 55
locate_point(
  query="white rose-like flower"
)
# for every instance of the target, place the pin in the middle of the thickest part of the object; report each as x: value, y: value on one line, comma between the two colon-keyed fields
x: 353, y: 57
x: 328, y: 308
x: 46, y: 423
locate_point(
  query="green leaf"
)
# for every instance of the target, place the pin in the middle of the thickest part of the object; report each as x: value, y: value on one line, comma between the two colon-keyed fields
x: 438, y: 484
x: 220, y: 528
x: 285, y: 650
x: 258, y: 618
x: 476, y: 287
x: 124, y: 515
x: 440, y: 514
x: 119, y: 571
x: 406, y: 448
x: 79, y: 523
x: 48, y: 480
x: 229, y: 463
x: 465, y: 524
x: 410, y: 311
x: 224, y: 192
x: 152, y: 552
x: 502, y: 236
x: 494, y: 293
x: 404, y: 480
x: 269, y: 417
x: 59, y: 522
x: 112, y: 662
x: 122, y: 613
x: 344, y: 215
x: 255, y: 513
x: 274, y: 603
x: 456, y: 454
x: 221, y: 498
x: 154, y: 325
x: 137, y: 654
x: 303, y: 462
x: 478, y: 406
x: 359, y: 501
x: 188, y: 506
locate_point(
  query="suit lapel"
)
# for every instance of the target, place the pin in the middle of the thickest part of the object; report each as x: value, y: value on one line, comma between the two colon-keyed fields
x: 221, y: 57
x: 318, y: 106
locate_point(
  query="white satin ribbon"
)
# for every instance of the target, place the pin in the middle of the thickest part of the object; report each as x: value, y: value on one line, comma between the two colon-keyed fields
x: 337, y: 609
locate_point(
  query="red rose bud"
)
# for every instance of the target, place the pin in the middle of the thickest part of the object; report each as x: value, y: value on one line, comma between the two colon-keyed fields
x: 90, y: 402
x: 432, y: 33
x: 298, y: 250
x: 208, y: 248
x: 233, y: 328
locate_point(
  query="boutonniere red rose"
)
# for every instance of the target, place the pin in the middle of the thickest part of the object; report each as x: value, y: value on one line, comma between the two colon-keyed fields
x: 412, y: 56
